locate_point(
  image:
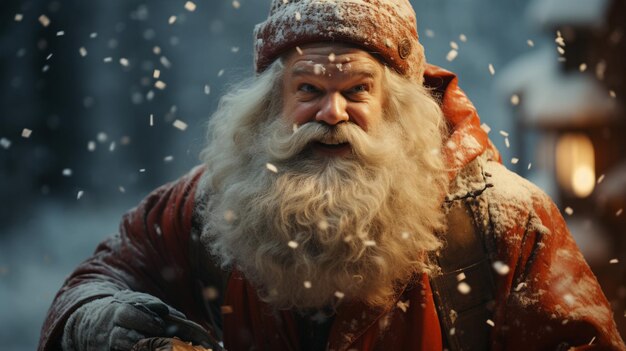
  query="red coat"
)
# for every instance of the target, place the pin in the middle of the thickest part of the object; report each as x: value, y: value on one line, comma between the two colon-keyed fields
x: 548, y: 297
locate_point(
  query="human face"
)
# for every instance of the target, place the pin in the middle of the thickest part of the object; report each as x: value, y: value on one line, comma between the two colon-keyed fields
x: 332, y: 84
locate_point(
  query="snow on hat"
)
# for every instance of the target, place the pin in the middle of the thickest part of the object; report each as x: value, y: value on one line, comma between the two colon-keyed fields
x: 385, y: 28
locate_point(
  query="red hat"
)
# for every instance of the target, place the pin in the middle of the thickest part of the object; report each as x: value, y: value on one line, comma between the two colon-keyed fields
x: 385, y: 28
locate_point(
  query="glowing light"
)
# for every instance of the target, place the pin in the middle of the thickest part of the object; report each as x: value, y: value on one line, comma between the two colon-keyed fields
x: 575, y: 164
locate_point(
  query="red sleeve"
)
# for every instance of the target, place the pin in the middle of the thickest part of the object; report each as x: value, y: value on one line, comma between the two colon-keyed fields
x: 150, y: 254
x: 550, y: 299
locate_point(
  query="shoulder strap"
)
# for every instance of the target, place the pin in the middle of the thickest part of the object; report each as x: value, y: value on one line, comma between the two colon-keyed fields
x: 464, y: 290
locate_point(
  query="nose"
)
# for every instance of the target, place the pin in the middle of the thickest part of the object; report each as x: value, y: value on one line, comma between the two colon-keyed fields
x: 333, y: 109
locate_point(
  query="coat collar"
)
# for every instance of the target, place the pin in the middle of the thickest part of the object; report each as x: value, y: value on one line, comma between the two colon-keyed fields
x: 466, y: 139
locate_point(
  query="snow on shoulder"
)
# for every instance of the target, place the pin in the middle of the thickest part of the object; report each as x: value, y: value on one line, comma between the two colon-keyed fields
x: 512, y: 200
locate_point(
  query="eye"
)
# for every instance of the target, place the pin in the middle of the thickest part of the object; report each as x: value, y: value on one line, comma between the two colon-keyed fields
x: 307, y: 88
x: 361, y: 88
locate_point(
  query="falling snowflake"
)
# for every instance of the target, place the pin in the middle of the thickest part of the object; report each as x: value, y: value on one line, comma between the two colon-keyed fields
x: 452, y: 54
x: 190, y: 6
x: 44, y: 20
x: 501, y: 268
x: 229, y: 216
x: 485, y: 127
x: 403, y: 305
x: 210, y: 293
x: 322, y: 225
x: 559, y: 39
x: 464, y: 288
x: 369, y: 243
x: 180, y: 124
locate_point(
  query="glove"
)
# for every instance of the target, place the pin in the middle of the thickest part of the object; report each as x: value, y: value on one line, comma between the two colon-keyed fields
x: 116, y: 322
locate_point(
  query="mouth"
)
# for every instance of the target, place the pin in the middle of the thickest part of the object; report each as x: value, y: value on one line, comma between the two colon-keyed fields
x: 332, y: 148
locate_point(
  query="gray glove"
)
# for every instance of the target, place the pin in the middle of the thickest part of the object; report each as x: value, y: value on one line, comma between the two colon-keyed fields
x: 116, y: 322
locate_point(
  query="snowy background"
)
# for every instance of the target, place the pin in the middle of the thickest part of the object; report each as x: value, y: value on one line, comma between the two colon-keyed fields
x: 82, y: 80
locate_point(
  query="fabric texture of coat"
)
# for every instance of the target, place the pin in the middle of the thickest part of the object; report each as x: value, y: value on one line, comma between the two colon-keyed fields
x: 548, y: 299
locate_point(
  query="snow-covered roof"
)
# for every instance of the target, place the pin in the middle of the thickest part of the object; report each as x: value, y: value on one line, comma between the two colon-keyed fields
x: 552, y: 13
x: 552, y: 99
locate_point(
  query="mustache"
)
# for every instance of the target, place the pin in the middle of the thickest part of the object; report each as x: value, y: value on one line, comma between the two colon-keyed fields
x: 284, y: 144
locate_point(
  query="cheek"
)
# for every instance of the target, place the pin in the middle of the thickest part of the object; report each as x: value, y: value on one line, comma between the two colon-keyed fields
x: 299, y: 113
x: 366, y: 116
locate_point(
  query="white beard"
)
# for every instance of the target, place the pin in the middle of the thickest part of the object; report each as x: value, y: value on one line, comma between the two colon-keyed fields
x: 361, y: 223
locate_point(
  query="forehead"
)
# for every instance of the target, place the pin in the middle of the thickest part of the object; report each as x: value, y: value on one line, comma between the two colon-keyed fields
x: 331, y: 58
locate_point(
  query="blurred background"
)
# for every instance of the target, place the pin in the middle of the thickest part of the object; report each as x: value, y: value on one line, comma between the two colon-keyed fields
x: 102, y: 101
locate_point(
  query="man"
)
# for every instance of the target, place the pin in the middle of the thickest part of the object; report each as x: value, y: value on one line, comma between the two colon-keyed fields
x: 345, y: 191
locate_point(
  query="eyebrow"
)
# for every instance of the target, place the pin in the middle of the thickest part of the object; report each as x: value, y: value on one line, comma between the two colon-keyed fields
x: 306, y: 71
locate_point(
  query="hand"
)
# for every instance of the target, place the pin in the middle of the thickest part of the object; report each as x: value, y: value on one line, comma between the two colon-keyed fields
x: 116, y: 322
